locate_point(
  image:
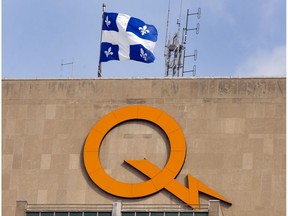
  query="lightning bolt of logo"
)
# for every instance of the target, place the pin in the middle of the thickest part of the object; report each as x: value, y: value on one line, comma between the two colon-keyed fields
x: 189, y: 195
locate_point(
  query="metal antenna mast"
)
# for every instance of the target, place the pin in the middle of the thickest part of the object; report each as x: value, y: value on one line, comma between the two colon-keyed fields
x: 175, y: 51
x: 167, y: 26
x: 184, y: 39
x: 166, y: 42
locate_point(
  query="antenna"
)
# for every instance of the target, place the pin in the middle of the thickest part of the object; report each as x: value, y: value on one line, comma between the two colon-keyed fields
x: 167, y: 26
x: 68, y: 63
x: 180, y: 16
x: 175, y: 52
x: 184, y: 40
x: 174, y: 55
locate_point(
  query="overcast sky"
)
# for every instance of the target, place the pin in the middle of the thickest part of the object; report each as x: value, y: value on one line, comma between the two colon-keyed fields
x: 236, y: 38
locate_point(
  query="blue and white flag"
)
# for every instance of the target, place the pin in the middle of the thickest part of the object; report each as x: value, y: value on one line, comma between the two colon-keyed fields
x: 125, y: 37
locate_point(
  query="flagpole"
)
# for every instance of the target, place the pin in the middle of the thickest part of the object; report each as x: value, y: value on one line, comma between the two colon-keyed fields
x: 100, y: 65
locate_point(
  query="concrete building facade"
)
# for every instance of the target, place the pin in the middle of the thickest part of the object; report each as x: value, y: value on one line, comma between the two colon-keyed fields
x: 234, y: 129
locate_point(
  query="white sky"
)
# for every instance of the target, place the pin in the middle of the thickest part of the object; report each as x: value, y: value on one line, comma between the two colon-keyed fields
x: 237, y: 38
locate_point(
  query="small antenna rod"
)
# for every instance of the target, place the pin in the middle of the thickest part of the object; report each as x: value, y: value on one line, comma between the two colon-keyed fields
x: 68, y: 63
x: 168, y: 17
x: 180, y: 15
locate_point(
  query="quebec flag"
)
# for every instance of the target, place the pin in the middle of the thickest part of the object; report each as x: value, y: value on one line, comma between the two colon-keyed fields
x: 125, y: 37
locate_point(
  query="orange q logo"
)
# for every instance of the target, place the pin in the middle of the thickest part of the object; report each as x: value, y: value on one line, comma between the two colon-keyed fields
x: 159, y: 179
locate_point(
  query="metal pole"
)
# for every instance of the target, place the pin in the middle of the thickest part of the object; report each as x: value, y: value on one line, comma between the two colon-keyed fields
x: 184, y: 38
x: 100, y: 65
x: 166, y: 51
x: 180, y: 18
x: 167, y: 26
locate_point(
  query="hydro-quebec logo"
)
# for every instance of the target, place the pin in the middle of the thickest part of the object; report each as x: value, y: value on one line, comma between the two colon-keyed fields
x: 158, y: 179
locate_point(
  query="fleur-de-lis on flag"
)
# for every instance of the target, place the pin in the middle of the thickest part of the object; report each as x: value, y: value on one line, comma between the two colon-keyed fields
x: 108, y: 52
x: 144, y: 30
x: 107, y: 21
x: 143, y: 54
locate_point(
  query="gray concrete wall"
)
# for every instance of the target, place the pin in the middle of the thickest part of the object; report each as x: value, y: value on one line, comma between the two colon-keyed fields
x: 234, y: 129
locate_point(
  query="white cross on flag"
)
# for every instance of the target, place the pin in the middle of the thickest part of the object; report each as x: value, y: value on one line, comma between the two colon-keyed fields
x: 125, y: 37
